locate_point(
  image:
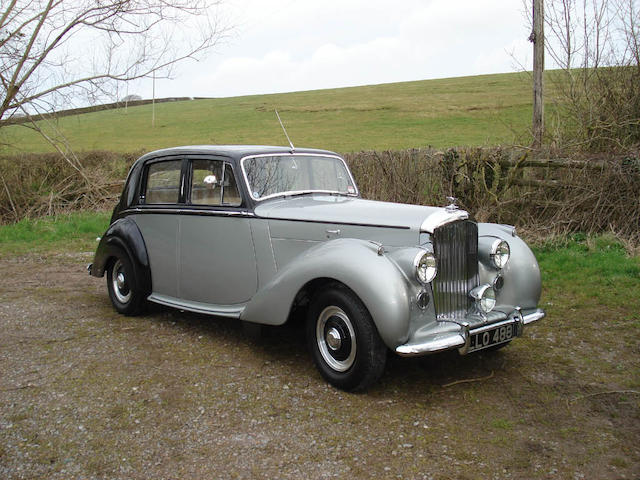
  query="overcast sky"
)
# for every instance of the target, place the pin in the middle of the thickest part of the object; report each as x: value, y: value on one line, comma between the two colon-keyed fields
x: 292, y: 45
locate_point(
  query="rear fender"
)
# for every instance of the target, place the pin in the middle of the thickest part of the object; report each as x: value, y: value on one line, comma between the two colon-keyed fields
x: 374, y: 278
x: 124, y: 235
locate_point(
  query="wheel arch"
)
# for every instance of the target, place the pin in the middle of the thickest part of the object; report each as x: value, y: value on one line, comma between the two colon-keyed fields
x: 308, y: 291
x: 124, y: 237
x: 353, y: 263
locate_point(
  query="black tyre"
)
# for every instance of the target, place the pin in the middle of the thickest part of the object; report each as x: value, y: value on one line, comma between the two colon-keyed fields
x: 343, y: 340
x: 124, y: 292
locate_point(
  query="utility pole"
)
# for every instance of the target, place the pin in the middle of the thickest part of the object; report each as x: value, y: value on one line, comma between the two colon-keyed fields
x: 537, y: 37
x: 153, y: 102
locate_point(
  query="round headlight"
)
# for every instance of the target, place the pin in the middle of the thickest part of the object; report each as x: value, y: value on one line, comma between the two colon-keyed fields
x: 500, y: 253
x: 426, y: 267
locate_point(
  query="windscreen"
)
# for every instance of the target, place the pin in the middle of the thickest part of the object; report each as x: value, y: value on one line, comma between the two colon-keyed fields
x: 281, y: 174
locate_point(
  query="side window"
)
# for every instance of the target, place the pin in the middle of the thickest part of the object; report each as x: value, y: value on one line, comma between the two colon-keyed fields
x: 231, y: 195
x: 163, y: 182
x: 213, y: 183
x: 206, y: 181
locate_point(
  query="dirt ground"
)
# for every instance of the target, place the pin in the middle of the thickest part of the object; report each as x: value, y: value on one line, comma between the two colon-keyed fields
x: 87, y: 393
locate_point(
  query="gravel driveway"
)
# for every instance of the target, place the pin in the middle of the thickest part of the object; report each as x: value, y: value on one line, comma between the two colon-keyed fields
x: 87, y: 393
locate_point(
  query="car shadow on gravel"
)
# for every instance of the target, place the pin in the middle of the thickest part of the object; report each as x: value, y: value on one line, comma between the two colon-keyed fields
x: 285, y: 346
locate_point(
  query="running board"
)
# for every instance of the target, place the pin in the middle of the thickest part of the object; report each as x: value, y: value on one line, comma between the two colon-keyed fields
x: 229, y: 311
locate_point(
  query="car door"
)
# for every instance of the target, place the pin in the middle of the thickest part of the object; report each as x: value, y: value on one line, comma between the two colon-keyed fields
x: 162, y: 193
x: 215, y: 247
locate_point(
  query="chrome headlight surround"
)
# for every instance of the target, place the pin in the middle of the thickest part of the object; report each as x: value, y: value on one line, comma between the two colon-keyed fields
x: 485, y: 297
x: 500, y: 253
x: 426, y: 267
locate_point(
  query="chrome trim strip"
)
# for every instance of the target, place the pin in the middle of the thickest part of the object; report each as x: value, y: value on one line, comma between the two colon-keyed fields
x: 230, y: 311
x: 293, y: 193
x: 185, y: 210
x: 441, y: 218
x: 332, y: 222
x: 296, y: 154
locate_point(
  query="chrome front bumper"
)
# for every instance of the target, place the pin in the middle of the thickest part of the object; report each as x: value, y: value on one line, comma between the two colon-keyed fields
x: 439, y: 342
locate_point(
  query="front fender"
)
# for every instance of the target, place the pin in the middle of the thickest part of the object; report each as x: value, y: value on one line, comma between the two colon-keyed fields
x: 374, y: 278
x: 522, y: 279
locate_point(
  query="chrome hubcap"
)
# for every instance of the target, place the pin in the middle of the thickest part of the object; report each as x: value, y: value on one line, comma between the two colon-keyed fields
x: 119, y: 284
x: 336, y: 338
x: 333, y: 339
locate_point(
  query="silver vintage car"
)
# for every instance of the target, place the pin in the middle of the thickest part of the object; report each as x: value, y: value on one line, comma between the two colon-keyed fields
x: 255, y: 233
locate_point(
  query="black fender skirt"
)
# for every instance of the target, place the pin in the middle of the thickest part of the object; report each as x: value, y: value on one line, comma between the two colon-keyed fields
x: 123, y: 235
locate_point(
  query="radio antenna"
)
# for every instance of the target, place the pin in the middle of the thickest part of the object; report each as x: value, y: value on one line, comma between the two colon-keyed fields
x: 285, y: 131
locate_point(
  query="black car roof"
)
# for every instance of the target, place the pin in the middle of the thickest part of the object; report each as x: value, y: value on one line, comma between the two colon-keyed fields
x: 231, y: 151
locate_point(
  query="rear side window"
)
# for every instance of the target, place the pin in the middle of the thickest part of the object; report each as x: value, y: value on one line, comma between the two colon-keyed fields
x: 213, y: 183
x: 163, y: 182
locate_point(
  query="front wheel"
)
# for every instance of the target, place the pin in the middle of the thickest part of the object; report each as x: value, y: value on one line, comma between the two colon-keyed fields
x: 344, y: 341
x: 123, y: 289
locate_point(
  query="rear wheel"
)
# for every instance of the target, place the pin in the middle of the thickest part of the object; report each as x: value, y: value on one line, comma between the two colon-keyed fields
x: 124, y: 292
x: 344, y: 341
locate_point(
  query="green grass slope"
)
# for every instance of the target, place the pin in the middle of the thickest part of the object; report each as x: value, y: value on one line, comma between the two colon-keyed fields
x: 480, y: 110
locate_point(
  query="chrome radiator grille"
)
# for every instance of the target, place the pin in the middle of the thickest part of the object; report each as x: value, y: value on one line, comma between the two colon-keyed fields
x: 456, y: 249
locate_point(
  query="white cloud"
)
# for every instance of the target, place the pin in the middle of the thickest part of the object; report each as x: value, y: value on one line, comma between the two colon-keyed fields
x: 285, y: 45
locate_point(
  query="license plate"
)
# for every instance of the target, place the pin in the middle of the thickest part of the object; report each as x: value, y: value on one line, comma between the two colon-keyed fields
x: 495, y: 336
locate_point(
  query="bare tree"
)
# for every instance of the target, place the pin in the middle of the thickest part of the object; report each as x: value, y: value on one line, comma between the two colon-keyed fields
x: 57, y: 52
x: 54, y: 50
x: 596, y: 45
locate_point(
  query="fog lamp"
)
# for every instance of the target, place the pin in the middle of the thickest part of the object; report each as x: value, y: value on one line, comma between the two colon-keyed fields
x: 485, y: 297
x: 422, y: 300
x: 498, y: 282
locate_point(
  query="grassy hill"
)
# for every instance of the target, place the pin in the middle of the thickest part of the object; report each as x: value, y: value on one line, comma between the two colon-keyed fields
x: 480, y: 110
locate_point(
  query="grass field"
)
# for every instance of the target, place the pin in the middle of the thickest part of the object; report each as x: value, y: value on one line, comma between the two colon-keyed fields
x: 74, y: 232
x: 479, y: 110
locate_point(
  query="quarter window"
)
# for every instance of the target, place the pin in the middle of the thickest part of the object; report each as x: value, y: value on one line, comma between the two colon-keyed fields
x: 163, y: 182
x: 230, y: 193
